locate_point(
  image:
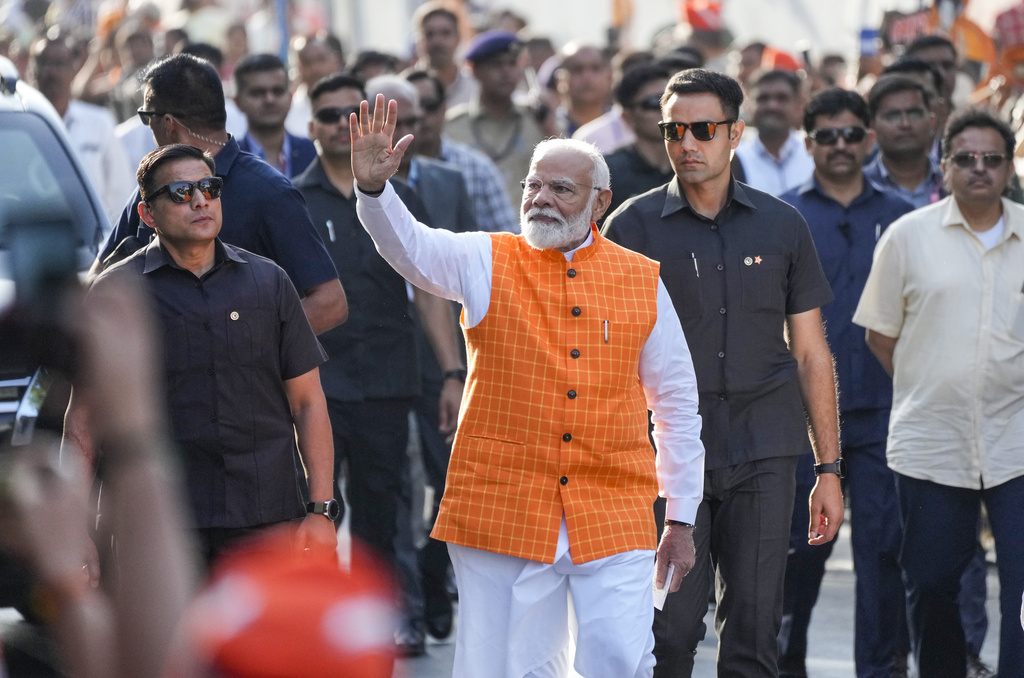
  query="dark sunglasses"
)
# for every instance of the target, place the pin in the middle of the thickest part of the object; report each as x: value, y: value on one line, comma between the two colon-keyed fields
x: 146, y: 116
x: 969, y: 160
x: 182, y: 191
x: 332, y: 114
x: 829, y: 136
x: 651, y: 103
x: 702, y: 131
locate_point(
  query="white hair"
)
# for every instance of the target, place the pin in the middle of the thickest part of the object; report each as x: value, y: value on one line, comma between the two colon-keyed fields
x: 600, y: 177
x: 393, y: 87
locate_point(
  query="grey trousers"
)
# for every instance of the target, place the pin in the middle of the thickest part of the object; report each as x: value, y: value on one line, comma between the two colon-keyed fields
x: 741, y: 538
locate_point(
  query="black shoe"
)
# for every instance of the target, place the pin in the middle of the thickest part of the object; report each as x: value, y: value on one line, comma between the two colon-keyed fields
x: 410, y: 642
x: 977, y: 668
x: 439, y: 625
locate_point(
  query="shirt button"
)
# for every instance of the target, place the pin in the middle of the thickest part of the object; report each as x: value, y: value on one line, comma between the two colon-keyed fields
x: 575, y: 353
x: 571, y: 273
x: 714, y: 227
x: 572, y: 395
x: 722, y: 310
x: 213, y: 419
x: 720, y: 267
x: 576, y: 310
x: 564, y: 480
x: 566, y: 437
x: 209, y: 371
x: 206, y: 325
x: 721, y: 354
x: 723, y: 396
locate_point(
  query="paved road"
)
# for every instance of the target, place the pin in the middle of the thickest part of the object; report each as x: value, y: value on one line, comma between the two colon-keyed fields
x: 830, y: 643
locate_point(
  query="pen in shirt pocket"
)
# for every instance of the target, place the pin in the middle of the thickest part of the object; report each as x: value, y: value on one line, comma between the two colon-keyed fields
x: 693, y: 255
x: 606, y: 331
x: 330, y: 229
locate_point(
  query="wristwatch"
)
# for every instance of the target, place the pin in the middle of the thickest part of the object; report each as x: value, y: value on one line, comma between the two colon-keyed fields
x: 838, y: 467
x: 330, y: 508
x: 459, y: 374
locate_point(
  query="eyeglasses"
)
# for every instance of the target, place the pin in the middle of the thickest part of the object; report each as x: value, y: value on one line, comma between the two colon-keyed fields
x: 432, y: 105
x: 332, y: 114
x: 702, y: 131
x: 146, y: 116
x: 562, y: 188
x: 182, y: 191
x: 912, y: 115
x: 969, y: 160
x: 651, y: 103
x: 829, y: 136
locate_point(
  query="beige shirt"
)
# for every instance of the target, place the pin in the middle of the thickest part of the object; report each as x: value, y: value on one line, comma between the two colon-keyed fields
x: 508, y: 141
x: 957, y: 312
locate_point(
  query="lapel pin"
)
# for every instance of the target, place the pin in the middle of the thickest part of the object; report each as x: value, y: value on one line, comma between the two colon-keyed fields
x: 234, y: 315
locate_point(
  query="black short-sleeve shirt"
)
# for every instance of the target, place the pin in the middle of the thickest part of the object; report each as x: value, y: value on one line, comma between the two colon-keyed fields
x: 733, y: 280
x: 267, y: 214
x: 231, y: 339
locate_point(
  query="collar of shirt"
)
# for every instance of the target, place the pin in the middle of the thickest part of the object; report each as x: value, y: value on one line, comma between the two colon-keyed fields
x: 867, y: 193
x: 157, y: 257
x: 951, y: 216
x: 314, y: 175
x: 676, y: 200
x: 878, y: 168
x: 794, y: 143
x: 283, y: 163
x: 225, y: 158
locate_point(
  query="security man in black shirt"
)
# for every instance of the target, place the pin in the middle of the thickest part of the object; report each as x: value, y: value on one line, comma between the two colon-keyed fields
x: 743, y: 274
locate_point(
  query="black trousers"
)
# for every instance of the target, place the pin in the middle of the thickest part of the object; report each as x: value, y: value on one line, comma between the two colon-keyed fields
x: 741, y: 538
x: 371, y: 437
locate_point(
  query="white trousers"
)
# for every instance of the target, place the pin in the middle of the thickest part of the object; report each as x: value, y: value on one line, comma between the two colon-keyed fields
x: 515, y: 613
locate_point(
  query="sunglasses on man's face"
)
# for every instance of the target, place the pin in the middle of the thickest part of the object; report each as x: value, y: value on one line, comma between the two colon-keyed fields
x: 182, y: 191
x: 968, y: 160
x: 702, y: 131
x: 830, y: 136
x: 651, y: 103
x: 332, y: 114
x: 147, y: 116
x: 431, y: 105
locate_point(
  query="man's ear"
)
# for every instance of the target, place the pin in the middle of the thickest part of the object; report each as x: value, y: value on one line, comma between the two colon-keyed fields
x: 601, y: 203
x: 146, y: 214
x: 736, y: 133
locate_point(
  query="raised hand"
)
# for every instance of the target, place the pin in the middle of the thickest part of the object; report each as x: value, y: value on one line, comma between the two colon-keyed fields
x: 374, y: 160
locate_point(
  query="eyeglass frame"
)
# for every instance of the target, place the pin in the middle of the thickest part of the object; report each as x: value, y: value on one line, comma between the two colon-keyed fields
x: 975, y: 157
x: 344, y: 112
x: 216, y: 185
x: 712, y: 129
x: 147, y: 116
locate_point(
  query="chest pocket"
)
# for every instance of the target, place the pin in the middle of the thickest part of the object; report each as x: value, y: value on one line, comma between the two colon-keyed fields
x: 246, y: 343
x: 763, y: 282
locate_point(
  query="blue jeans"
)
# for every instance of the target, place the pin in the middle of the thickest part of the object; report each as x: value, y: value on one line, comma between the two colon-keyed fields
x: 940, y: 528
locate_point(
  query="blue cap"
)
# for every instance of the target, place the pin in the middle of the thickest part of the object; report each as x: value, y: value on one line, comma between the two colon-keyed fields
x: 490, y: 44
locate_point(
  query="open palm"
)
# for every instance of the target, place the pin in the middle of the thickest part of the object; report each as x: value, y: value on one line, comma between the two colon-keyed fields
x: 374, y: 160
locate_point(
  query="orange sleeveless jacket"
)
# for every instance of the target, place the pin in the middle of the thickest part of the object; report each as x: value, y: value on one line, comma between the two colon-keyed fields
x: 554, y: 418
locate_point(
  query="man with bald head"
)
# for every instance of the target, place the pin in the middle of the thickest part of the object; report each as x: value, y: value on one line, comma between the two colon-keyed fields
x: 585, y: 85
x: 552, y: 475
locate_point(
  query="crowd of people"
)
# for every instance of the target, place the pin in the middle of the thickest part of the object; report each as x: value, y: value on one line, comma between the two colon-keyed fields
x: 792, y: 282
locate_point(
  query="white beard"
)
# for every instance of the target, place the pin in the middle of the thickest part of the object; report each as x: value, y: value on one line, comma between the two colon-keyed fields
x: 564, y: 234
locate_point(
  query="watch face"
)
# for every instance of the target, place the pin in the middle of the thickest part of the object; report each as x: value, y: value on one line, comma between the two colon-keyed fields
x: 332, y: 509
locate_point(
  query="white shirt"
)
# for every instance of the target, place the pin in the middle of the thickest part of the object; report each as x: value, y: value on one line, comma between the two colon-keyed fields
x: 91, y: 132
x: 458, y: 266
x: 608, y: 132
x: 957, y: 313
x: 774, y: 175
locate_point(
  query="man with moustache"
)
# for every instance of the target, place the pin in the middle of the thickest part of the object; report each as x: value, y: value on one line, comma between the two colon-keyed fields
x: 570, y: 339
x: 742, y: 272
x: 241, y: 364
x: 944, y: 312
x: 846, y: 215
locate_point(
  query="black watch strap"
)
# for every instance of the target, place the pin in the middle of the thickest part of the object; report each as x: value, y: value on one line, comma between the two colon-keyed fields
x: 837, y: 467
x: 459, y: 374
x: 331, y: 509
